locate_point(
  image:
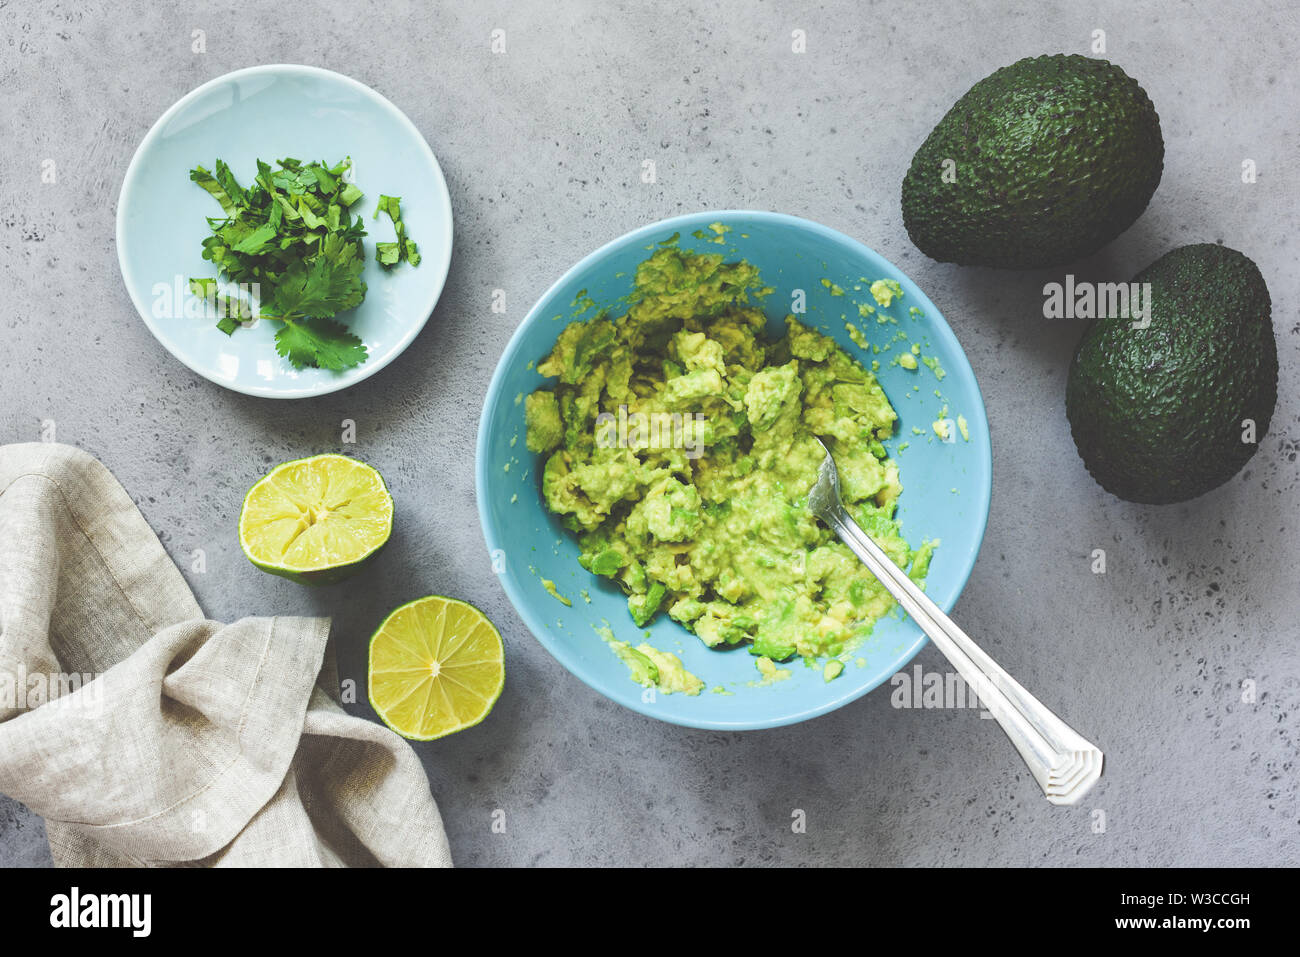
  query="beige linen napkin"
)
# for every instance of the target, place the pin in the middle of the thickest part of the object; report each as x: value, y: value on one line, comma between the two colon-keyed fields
x: 188, y: 741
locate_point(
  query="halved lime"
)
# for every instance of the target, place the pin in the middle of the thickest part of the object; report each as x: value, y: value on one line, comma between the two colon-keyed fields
x: 316, y: 520
x: 436, y: 667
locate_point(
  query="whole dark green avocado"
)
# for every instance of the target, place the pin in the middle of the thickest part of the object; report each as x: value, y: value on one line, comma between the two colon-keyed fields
x: 1053, y: 156
x: 1158, y: 413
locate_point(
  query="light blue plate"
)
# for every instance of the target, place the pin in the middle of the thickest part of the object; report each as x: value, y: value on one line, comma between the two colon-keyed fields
x: 268, y: 113
x: 946, y: 493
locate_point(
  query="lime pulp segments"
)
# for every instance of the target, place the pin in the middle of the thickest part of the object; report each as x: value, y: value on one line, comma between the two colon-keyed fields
x: 436, y: 667
x: 316, y: 520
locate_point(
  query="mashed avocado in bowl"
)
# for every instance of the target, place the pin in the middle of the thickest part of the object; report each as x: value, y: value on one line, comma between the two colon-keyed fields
x: 680, y: 443
x: 647, y: 447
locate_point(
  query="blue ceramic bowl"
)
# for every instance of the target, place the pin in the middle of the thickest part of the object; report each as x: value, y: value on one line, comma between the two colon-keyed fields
x: 946, y: 485
x: 268, y: 113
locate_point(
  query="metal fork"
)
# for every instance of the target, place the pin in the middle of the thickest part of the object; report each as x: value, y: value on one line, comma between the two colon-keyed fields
x: 1063, y: 763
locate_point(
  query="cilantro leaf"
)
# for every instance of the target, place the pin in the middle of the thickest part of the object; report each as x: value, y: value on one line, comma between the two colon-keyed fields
x: 322, y: 286
x: 323, y: 343
x: 389, y: 255
x: 253, y: 243
x: 392, y: 205
x: 203, y: 288
x: 209, y: 182
x: 349, y: 194
x: 231, y: 185
x: 324, y: 179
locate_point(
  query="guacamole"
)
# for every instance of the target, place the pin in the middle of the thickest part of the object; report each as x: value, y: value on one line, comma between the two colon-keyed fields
x: 679, y: 445
x: 652, y: 668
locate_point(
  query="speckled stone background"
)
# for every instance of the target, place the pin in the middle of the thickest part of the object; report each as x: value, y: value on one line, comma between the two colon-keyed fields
x: 542, y: 147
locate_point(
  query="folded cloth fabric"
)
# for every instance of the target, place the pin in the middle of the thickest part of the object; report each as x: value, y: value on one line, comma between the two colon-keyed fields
x: 145, y: 735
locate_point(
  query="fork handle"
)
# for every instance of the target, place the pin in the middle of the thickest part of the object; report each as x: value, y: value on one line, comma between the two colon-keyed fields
x: 1064, y: 764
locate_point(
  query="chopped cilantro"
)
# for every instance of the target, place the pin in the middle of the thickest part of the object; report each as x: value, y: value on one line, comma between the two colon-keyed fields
x: 390, y: 254
x: 292, y: 237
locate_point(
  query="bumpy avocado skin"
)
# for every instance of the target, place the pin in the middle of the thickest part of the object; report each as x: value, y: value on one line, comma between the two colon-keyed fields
x: 1157, y: 413
x: 1055, y: 156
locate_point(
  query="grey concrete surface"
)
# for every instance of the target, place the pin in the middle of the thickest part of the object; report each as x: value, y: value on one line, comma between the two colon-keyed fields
x: 542, y: 147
